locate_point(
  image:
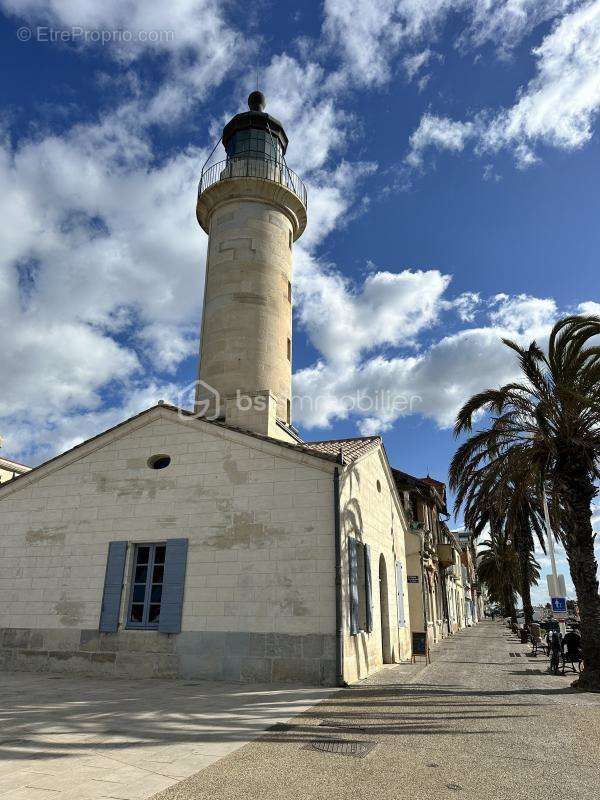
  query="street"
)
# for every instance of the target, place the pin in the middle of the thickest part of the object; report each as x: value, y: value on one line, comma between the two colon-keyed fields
x: 483, y: 720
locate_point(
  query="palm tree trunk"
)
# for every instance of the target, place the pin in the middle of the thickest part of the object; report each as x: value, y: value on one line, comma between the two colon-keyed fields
x: 579, y: 544
x: 522, y: 546
x: 512, y: 611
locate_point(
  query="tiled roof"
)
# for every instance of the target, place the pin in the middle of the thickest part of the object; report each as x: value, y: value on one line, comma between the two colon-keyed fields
x: 347, y: 449
x: 426, y: 487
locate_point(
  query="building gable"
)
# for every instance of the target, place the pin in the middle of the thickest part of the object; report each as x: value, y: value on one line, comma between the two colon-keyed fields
x: 297, y: 453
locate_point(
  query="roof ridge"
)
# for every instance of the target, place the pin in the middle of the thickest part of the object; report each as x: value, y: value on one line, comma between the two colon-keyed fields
x: 345, y: 439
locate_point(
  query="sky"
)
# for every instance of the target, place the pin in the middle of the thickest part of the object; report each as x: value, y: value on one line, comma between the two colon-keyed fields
x: 451, y: 155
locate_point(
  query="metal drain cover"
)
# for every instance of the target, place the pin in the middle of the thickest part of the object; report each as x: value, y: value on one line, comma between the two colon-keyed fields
x: 341, y: 747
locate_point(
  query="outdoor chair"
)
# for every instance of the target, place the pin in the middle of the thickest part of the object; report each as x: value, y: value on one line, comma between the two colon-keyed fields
x: 537, y: 643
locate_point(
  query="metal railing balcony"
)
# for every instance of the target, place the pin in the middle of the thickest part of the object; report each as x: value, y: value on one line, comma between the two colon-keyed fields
x: 253, y: 166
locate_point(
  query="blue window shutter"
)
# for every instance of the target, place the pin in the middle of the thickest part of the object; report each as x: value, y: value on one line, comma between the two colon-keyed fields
x: 368, y: 589
x: 400, y: 594
x: 173, y: 583
x: 113, y: 586
x: 353, y: 572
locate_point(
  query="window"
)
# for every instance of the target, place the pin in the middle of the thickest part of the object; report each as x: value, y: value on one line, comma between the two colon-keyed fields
x: 362, y: 586
x: 254, y: 143
x: 289, y: 349
x: 289, y: 291
x: 159, y: 462
x: 427, y: 597
x: 438, y: 599
x: 400, y: 595
x: 290, y: 239
x: 289, y: 411
x: 146, y: 585
x: 379, y: 486
x: 361, y: 617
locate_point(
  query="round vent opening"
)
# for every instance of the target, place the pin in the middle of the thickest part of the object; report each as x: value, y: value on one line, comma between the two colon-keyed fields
x: 159, y: 462
x: 379, y: 486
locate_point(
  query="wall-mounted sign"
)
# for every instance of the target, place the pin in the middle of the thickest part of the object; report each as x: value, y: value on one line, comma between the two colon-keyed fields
x: 412, y: 578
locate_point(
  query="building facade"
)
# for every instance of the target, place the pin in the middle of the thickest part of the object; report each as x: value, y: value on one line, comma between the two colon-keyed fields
x: 431, y: 584
x: 473, y: 597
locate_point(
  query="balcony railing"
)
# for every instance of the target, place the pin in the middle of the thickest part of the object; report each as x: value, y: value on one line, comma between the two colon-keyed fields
x: 253, y: 167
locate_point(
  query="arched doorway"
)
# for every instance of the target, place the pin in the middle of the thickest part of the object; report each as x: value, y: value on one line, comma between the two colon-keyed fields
x: 386, y: 649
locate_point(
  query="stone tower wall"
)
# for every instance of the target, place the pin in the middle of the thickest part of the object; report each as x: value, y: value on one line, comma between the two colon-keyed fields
x: 247, y: 320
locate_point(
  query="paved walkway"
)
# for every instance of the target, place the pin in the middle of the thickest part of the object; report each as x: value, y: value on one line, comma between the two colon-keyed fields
x: 485, y: 721
x: 65, y: 738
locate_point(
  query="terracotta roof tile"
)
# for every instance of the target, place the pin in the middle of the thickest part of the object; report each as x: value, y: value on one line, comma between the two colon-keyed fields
x: 347, y: 449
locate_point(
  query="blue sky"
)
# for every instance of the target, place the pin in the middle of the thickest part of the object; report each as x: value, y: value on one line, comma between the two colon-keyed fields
x: 452, y: 161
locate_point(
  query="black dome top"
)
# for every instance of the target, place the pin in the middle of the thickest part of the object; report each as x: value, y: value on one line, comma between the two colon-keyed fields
x: 257, y: 101
x: 257, y: 119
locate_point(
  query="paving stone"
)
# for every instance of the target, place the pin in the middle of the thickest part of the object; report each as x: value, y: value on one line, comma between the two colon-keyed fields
x: 97, y: 738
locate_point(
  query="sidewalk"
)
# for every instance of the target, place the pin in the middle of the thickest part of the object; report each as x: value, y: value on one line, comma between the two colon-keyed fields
x: 69, y: 738
x: 478, y: 721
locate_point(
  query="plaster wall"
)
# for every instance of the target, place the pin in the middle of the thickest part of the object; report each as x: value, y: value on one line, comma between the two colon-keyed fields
x: 370, y: 512
x: 259, y: 601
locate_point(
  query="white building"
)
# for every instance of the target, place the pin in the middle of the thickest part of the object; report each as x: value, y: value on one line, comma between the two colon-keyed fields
x: 216, y: 543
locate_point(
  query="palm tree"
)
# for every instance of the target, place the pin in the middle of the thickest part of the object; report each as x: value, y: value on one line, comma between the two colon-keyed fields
x: 548, y: 427
x: 498, y: 569
x: 520, y: 521
x: 488, y: 491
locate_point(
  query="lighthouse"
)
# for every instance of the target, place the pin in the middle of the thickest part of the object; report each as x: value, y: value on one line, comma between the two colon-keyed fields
x: 253, y: 208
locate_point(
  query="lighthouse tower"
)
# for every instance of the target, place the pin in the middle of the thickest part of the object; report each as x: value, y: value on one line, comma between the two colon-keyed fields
x: 253, y: 209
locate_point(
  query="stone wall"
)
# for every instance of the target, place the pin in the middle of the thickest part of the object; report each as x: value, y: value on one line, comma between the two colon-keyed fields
x: 247, y: 317
x: 259, y: 520
x: 211, y: 655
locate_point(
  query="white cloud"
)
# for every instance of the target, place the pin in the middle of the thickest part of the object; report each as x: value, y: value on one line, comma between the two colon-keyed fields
x: 198, y: 46
x: 506, y: 23
x: 296, y: 93
x: 440, y: 133
x: 413, y: 64
x: 388, y: 309
x: 101, y: 269
x: 523, y: 313
x: 43, y: 434
x: 590, y: 307
x: 433, y: 384
x: 559, y: 105
x: 377, y: 389
x: 556, y: 108
x: 369, y: 35
x: 466, y: 305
